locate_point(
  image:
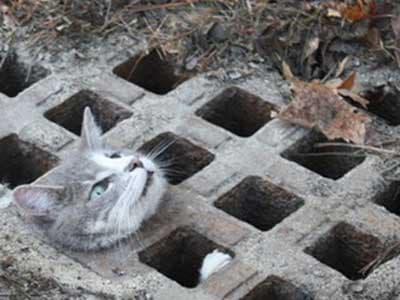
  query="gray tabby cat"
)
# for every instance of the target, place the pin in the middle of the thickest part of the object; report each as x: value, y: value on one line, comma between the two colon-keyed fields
x: 96, y: 197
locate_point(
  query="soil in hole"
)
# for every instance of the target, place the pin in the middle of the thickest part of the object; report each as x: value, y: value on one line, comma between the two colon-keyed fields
x: 152, y: 72
x: 259, y: 203
x: 237, y: 111
x: 15, y: 77
x: 180, y: 255
x: 183, y: 158
x: 276, y: 288
x: 347, y: 250
x: 69, y: 114
x: 22, y: 162
x: 328, y: 161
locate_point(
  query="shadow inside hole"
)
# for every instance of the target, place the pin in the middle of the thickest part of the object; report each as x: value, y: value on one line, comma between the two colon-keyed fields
x: 328, y: 161
x: 237, y: 111
x: 181, y: 157
x: 69, y: 114
x: 385, y: 103
x: 180, y: 255
x: 276, y: 288
x: 259, y: 203
x: 153, y: 72
x: 390, y: 198
x: 22, y: 162
x: 16, y: 76
x: 347, y: 250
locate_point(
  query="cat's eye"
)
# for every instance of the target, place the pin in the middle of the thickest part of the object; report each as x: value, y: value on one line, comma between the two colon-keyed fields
x: 98, y: 190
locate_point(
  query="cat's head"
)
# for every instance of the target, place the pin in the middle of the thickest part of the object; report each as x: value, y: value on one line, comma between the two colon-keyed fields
x: 97, y: 196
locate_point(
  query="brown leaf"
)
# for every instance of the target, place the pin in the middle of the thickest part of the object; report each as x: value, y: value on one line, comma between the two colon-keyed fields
x: 360, y: 11
x: 287, y: 72
x: 318, y: 106
x: 348, y: 83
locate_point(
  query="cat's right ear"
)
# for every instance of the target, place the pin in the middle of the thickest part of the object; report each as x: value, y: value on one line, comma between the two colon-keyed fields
x: 90, y: 133
x: 39, y: 200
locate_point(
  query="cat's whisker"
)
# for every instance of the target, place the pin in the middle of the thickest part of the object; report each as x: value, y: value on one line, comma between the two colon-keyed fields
x: 160, y: 149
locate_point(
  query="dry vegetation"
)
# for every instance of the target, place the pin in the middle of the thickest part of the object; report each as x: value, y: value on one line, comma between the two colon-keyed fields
x: 204, y: 34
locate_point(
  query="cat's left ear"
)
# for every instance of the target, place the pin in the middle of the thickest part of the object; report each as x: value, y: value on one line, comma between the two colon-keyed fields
x: 39, y: 200
x: 90, y: 133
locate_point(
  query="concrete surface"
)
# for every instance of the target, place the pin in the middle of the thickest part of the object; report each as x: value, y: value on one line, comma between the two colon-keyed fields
x: 281, y: 228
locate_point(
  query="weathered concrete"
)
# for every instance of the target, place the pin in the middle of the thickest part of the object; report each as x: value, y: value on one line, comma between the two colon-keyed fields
x: 279, y: 251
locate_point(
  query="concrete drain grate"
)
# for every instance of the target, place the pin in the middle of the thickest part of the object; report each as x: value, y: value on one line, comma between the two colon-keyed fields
x: 259, y: 202
x: 22, y: 162
x: 238, y: 111
x: 276, y: 288
x: 181, y: 158
x: 328, y: 161
x: 153, y: 72
x: 347, y: 250
x: 69, y: 114
x: 16, y: 76
x: 179, y: 256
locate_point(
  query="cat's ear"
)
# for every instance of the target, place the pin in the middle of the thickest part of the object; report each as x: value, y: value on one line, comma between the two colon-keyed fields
x: 91, y: 133
x: 39, y: 200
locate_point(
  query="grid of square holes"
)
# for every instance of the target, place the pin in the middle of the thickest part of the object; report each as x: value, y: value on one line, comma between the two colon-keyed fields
x: 328, y: 159
x: 179, y: 256
x: 153, y: 72
x: 179, y: 158
x: 69, y: 114
x: 259, y: 203
x: 254, y: 200
x: 22, y: 162
x: 347, y: 249
x: 238, y: 111
x: 15, y: 76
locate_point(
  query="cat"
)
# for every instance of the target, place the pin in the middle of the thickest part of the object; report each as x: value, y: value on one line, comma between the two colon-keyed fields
x: 97, y: 196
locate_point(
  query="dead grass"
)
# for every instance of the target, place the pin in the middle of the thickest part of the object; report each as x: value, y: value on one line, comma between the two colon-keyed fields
x: 200, y: 34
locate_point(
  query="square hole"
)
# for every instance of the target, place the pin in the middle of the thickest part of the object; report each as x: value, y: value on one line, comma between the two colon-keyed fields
x: 384, y: 103
x: 181, y: 158
x: 259, y: 202
x: 153, y: 72
x: 390, y: 198
x: 180, y: 255
x: 276, y: 288
x: 69, y: 114
x: 22, y: 162
x: 330, y: 161
x: 346, y: 249
x: 237, y: 111
x: 16, y: 76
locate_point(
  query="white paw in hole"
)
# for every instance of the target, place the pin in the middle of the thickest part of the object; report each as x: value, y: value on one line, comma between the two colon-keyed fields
x: 213, y: 262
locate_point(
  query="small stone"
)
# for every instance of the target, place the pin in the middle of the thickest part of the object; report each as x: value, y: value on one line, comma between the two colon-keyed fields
x: 217, y: 33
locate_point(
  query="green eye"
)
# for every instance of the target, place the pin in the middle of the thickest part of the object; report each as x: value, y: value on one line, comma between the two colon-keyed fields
x: 98, y: 190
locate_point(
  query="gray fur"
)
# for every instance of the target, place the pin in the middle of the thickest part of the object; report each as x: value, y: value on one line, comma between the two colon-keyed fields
x: 60, y: 202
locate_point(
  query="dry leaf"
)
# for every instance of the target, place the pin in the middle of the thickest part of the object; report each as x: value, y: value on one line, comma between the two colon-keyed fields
x: 348, y: 83
x: 360, y: 11
x: 363, y: 9
x: 342, y: 66
x: 287, y: 72
x: 318, y: 106
x: 311, y: 47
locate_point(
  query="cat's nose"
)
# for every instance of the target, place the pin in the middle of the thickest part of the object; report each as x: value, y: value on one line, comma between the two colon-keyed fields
x: 135, y: 163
